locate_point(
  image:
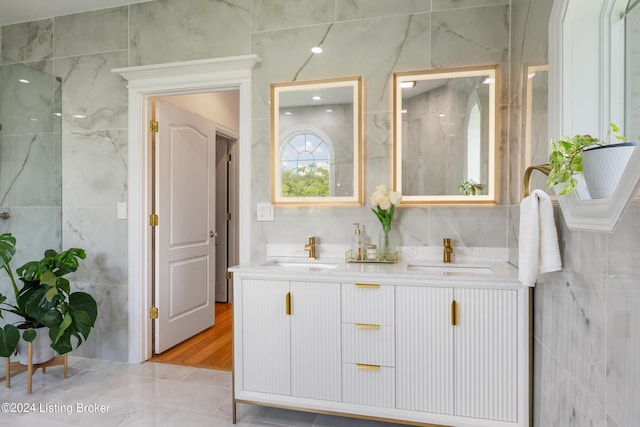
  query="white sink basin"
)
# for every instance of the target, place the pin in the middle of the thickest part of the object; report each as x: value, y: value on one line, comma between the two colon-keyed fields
x: 307, y: 264
x: 449, y: 268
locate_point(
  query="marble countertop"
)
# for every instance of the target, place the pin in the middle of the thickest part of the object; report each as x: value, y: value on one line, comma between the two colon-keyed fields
x: 414, y: 271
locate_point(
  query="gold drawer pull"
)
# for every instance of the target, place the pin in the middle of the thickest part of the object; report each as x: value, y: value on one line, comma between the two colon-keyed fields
x: 367, y: 286
x: 365, y: 367
x: 366, y: 326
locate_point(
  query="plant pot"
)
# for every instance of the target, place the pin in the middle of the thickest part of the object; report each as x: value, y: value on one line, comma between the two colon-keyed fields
x: 42, y: 351
x: 603, y: 166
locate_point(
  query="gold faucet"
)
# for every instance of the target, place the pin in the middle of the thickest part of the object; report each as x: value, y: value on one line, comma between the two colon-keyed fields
x: 448, y: 250
x: 311, y: 247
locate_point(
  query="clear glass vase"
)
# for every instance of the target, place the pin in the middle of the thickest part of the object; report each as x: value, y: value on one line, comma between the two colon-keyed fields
x: 387, y: 245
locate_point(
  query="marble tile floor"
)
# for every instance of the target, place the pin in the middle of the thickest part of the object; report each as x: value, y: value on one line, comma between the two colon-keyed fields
x: 101, y: 393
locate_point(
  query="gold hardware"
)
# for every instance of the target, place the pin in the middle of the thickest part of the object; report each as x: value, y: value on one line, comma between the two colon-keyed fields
x: 311, y: 247
x: 545, y: 169
x: 228, y: 158
x: 367, y: 286
x: 58, y: 78
x: 454, y: 313
x: 153, y: 220
x: 365, y: 367
x: 287, y: 304
x: 366, y: 326
x: 229, y: 275
x: 153, y: 313
x: 228, y: 216
x: 213, y: 233
x: 447, y: 250
x: 5, y: 215
x: 153, y: 126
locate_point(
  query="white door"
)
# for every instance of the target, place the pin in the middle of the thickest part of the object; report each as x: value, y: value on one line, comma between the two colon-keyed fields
x: 425, y: 352
x: 316, y: 361
x: 486, y: 343
x: 185, y: 204
x: 266, y: 336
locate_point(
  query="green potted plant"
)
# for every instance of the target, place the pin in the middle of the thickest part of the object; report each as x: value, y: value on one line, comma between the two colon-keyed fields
x: 470, y: 187
x: 45, y: 302
x: 601, y: 169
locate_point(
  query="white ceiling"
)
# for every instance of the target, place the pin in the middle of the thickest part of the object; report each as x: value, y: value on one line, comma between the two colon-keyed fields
x: 14, y: 11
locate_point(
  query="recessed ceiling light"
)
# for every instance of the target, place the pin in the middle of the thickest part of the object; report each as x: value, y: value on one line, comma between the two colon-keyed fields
x: 79, y: 116
x: 316, y: 49
x: 287, y: 113
x: 442, y: 115
x: 329, y: 110
x: 405, y: 85
x: 316, y: 98
x: 23, y: 81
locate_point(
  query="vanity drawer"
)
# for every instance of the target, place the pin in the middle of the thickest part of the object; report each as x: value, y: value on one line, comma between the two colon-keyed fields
x: 368, y: 385
x: 368, y: 343
x: 367, y: 303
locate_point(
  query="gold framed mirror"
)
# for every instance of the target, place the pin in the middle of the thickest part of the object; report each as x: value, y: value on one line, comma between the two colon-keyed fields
x: 445, y: 128
x: 316, y: 142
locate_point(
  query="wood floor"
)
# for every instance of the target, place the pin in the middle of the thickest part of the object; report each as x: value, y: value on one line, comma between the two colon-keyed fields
x: 209, y: 349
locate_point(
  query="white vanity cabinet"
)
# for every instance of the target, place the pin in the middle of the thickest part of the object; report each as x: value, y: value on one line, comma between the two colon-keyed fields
x: 290, y: 334
x: 457, y: 351
x: 433, y: 350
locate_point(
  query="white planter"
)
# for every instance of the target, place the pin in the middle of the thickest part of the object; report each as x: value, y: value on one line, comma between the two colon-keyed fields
x: 42, y: 351
x: 603, y: 166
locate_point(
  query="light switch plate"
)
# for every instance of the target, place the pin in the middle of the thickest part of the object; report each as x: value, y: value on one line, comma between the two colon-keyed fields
x: 122, y: 210
x: 265, y: 212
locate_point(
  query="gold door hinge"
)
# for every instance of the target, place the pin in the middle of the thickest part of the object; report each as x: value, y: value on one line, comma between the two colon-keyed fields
x: 228, y: 216
x: 228, y: 158
x: 153, y: 220
x: 153, y: 313
x: 229, y: 275
x: 153, y: 126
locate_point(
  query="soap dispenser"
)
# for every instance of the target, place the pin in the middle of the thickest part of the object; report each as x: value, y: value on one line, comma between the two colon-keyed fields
x: 357, y: 243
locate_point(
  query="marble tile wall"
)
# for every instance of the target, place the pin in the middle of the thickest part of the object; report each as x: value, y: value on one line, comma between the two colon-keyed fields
x: 585, y: 329
x: 368, y: 38
x: 91, y: 152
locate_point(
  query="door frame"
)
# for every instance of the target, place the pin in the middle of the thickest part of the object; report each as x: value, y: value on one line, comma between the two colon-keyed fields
x: 178, y: 78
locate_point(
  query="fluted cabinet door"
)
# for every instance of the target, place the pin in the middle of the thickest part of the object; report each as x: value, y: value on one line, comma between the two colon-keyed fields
x: 266, y: 336
x: 424, y: 357
x: 315, y: 340
x: 486, y: 345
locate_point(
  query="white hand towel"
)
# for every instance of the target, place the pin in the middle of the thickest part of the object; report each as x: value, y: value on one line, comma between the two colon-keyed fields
x: 538, y: 241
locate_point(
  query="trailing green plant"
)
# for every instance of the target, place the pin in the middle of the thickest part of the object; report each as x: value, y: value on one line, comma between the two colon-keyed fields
x: 565, y: 159
x: 45, y: 299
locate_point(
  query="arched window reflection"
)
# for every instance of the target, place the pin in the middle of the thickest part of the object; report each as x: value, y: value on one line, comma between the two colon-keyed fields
x: 305, y: 162
x: 474, y: 139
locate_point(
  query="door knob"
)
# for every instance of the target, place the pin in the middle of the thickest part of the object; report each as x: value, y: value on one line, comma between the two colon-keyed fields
x: 212, y: 233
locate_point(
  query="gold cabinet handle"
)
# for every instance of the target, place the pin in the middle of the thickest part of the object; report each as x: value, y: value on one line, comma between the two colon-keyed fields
x: 454, y: 313
x: 365, y: 367
x: 287, y: 303
x: 366, y: 326
x: 367, y: 286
